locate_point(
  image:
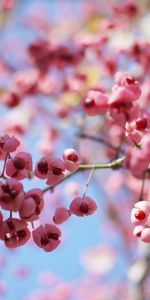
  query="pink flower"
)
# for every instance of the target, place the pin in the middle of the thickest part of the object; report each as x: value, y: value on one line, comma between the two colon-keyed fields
x: 140, y: 217
x: 136, y: 162
x: 19, y: 166
x: 52, y: 169
x: 7, y: 145
x: 47, y: 237
x: 140, y: 212
x: 71, y: 160
x: 61, y: 215
x: 137, y: 230
x: 95, y: 103
x: 128, y: 81
x: 14, y: 233
x: 145, y: 234
x: 124, y: 93
x: 143, y: 122
x: 83, y: 207
x: 121, y: 99
x: 32, y: 205
x: 132, y: 134
x: 56, y: 172
x: 42, y: 167
x: 142, y: 231
x: 11, y: 195
x: 121, y: 115
x: 138, y: 124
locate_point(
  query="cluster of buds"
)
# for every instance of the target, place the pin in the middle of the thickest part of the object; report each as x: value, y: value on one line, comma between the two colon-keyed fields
x: 48, y: 236
x: 27, y: 206
x: 55, y: 169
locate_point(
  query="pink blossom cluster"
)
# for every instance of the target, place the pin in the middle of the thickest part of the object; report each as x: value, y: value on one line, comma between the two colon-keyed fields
x: 45, y: 55
x: 120, y: 104
x: 126, y: 113
x: 54, y: 169
x: 54, y: 67
x: 14, y: 231
x: 46, y: 70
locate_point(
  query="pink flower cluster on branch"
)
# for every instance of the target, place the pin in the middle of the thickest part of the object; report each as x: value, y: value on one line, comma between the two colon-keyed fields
x: 14, y: 231
x: 134, y: 122
x: 125, y: 113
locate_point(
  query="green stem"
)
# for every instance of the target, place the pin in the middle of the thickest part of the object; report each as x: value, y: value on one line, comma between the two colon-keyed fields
x: 115, y: 164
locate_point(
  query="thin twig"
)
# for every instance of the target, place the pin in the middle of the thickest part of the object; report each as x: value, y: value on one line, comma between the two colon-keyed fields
x: 88, y: 182
x: 3, y: 171
x: 100, y: 140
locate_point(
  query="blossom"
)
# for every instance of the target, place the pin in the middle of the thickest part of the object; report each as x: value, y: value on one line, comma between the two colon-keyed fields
x: 143, y: 232
x: 61, y: 215
x: 71, y: 160
x: 12, y: 99
x: 83, y: 207
x: 129, y: 82
x: 47, y: 237
x: 95, y: 102
x: 14, y: 232
x: 32, y: 205
x: 140, y: 212
x: 11, y: 195
x: 121, y: 99
x: 19, y: 166
x: 50, y: 169
x: 8, y: 145
x: 42, y: 167
x: 56, y: 172
x: 136, y: 162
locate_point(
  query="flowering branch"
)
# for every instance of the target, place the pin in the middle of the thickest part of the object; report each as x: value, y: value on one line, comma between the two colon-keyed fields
x: 115, y: 164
